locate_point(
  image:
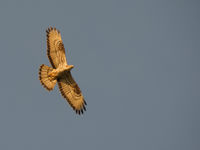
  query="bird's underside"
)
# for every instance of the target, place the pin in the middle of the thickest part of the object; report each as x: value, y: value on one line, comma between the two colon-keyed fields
x: 60, y: 73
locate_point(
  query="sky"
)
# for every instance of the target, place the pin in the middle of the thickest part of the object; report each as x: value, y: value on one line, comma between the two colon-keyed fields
x: 136, y: 62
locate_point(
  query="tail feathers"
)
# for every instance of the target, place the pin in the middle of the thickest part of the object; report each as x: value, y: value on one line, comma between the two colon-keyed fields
x: 44, y: 78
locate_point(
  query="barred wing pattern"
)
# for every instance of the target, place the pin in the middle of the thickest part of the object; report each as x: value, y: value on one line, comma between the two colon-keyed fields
x: 71, y: 92
x: 55, y: 48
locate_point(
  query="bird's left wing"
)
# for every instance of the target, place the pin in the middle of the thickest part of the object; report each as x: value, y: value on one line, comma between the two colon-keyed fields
x: 71, y: 92
x: 55, y: 48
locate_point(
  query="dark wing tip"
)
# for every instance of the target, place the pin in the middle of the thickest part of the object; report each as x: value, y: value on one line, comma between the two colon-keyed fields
x: 79, y: 111
x: 84, y: 108
x: 85, y: 102
x: 50, y: 28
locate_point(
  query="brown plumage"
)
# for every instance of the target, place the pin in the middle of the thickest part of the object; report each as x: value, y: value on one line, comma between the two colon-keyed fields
x: 60, y: 72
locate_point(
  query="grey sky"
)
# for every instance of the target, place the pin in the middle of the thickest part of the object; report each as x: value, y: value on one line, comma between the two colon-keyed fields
x: 136, y: 62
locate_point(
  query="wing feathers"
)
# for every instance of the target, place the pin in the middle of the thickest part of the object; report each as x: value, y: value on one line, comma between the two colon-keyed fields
x: 55, y: 48
x: 71, y: 92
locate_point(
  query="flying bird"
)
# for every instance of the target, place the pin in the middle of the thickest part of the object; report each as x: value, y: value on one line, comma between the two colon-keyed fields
x: 60, y: 72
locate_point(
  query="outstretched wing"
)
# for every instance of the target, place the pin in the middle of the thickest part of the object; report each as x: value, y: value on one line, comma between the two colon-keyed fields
x: 55, y: 48
x: 71, y: 92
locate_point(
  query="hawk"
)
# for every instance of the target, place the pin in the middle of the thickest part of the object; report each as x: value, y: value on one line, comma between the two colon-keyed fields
x: 60, y: 72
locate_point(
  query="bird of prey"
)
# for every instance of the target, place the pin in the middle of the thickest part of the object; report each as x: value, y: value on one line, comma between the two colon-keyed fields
x: 60, y: 72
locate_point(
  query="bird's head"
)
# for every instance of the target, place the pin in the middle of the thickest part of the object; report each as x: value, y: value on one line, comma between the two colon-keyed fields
x: 69, y: 67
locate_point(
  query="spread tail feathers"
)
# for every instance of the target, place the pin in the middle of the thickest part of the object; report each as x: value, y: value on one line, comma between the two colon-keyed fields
x: 44, y: 78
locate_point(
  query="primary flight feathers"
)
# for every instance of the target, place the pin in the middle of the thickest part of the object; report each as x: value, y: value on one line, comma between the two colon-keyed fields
x: 60, y: 72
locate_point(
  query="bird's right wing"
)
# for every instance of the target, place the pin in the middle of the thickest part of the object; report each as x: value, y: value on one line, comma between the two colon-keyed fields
x: 71, y: 92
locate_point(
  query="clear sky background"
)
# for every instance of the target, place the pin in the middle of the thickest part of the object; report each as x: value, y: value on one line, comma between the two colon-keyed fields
x: 136, y: 62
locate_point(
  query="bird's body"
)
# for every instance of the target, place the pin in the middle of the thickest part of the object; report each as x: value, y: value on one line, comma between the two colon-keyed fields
x: 60, y: 73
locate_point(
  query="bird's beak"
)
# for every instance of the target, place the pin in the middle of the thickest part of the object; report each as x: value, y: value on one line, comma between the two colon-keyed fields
x: 71, y: 66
